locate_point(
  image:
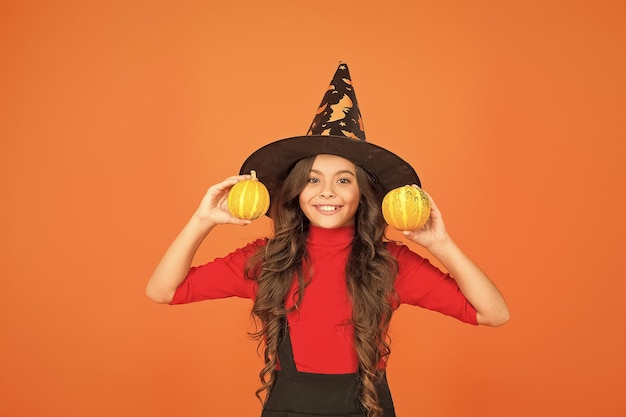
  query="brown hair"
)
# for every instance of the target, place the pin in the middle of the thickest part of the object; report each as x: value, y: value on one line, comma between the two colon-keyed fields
x: 370, y: 274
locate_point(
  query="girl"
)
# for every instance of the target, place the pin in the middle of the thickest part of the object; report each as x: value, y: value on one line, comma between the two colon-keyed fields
x: 326, y: 283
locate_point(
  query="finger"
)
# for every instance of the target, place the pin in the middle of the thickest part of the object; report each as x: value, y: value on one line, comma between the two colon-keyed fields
x: 240, y: 222
x: 433, y: 205
x: 230, y: 182
x: 239, y: 177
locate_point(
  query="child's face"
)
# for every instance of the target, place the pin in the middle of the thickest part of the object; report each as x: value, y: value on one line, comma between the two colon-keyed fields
x: 331, y: 196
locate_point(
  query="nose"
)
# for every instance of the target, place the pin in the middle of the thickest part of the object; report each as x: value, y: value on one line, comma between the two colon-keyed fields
x: 327, y: 192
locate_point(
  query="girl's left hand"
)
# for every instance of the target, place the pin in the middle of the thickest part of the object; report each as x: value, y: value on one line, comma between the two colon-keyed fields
x: 482, y: 294
x: 433, y: 232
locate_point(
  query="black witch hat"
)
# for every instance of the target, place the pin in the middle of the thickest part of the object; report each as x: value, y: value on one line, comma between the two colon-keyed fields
x: 337, y: 129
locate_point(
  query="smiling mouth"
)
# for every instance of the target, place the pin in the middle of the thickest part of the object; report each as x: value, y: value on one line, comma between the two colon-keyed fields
x: 327, y: 208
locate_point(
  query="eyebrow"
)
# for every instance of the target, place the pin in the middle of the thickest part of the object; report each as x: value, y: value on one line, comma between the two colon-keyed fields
x: 342, y: 171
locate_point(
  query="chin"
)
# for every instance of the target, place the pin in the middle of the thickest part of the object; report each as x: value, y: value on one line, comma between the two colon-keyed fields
x: 331, y: 224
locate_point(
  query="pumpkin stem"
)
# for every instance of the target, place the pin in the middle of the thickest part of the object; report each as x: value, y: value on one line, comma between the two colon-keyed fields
x: 253, y: 174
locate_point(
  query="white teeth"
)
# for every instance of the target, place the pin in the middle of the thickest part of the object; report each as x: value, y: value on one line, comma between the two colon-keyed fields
x: 328, y: 208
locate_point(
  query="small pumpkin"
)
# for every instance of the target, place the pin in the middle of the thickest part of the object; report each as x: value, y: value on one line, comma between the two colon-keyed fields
x: 406, y: 208
x: 248, y: 199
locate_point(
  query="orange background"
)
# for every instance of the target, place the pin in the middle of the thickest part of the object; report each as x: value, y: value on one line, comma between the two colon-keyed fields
x: 117, y: 115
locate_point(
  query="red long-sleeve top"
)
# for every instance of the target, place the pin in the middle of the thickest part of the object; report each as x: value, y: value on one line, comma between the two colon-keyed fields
x: 320, y: 329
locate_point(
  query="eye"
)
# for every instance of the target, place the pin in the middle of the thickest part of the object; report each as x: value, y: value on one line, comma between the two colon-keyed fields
x: 344, y: 181
x: 312, y: 180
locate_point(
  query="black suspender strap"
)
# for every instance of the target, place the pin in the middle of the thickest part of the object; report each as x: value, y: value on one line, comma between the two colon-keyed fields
x: 285, y: 350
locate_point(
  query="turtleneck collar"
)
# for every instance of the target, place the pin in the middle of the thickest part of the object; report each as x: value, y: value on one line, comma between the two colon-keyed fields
x: 341, y: 236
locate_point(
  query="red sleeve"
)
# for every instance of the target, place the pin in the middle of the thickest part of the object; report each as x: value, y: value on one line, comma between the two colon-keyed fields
x: 221, y: 278
x: 420, y: 283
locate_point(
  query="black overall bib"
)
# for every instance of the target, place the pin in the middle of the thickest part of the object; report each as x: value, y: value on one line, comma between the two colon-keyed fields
x: 302, y: 394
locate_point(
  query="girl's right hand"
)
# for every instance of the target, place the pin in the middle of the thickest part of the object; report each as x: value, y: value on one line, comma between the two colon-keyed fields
x: 175, y: 263
x: 213, y: 208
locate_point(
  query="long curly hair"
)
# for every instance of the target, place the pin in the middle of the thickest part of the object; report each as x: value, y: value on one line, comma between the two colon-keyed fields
x: 370, y: 275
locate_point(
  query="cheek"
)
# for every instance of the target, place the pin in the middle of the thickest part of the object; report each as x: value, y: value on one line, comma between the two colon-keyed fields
x: 356, y: 196
x: 303, y: 198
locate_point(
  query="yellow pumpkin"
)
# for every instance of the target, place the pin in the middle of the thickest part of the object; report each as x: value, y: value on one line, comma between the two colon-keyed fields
x: 406, y: 208
x: 248, y: 199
